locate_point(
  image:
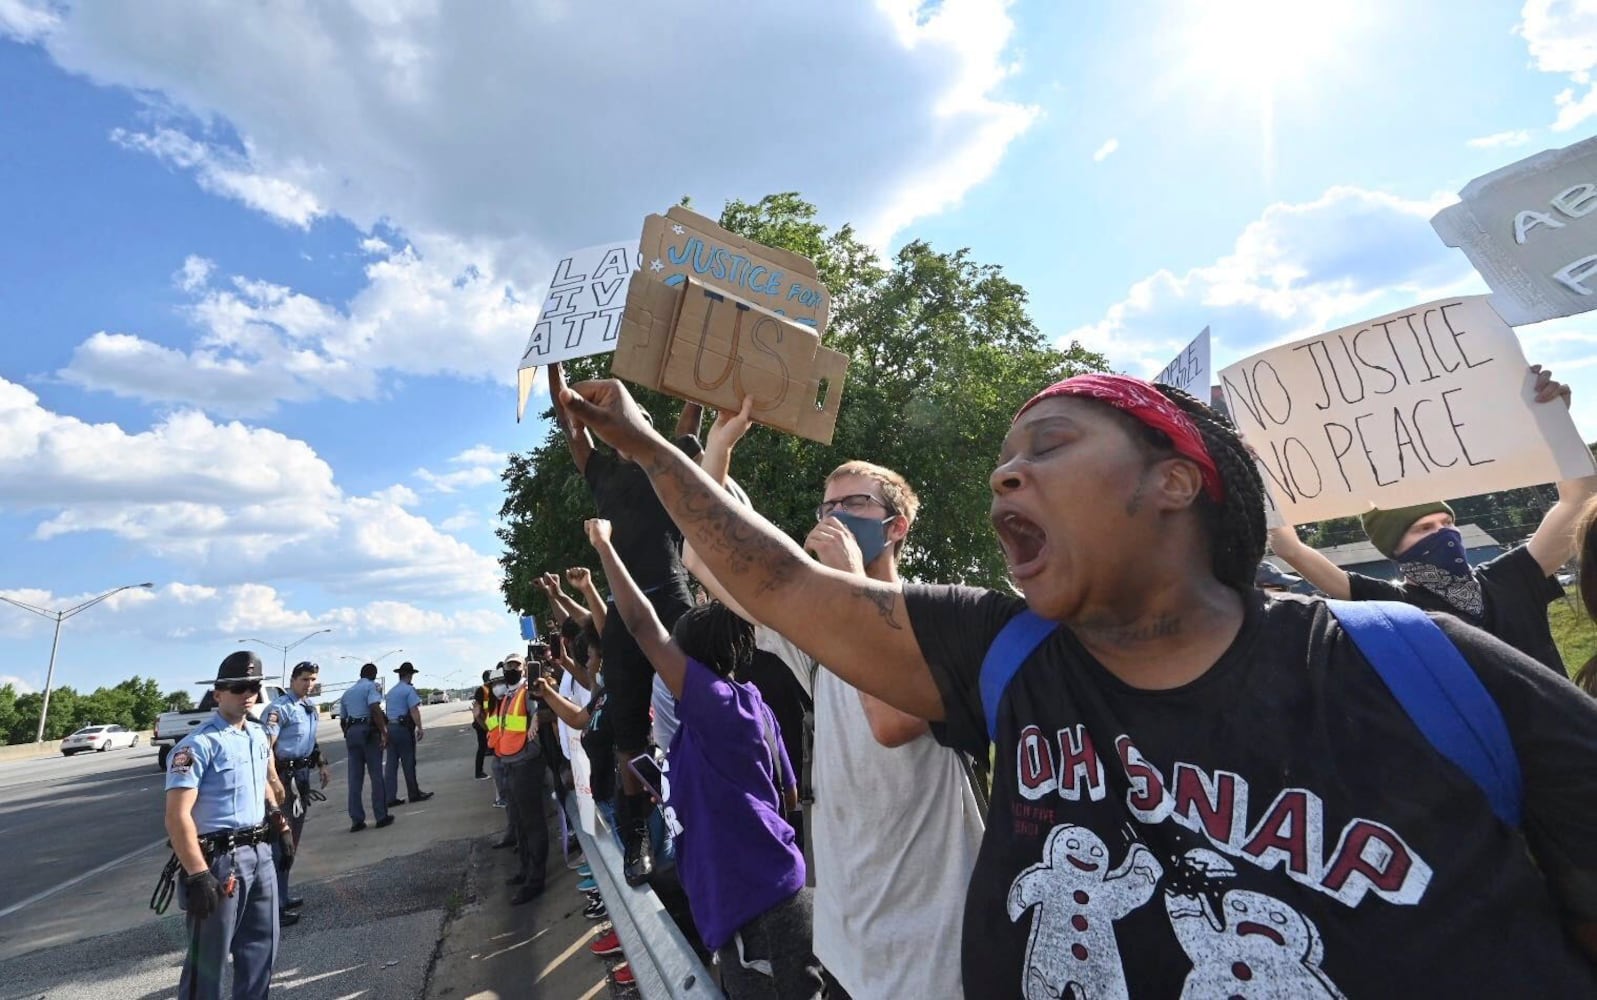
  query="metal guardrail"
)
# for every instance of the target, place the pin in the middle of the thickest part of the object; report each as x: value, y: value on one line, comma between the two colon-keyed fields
x: 664, y: 963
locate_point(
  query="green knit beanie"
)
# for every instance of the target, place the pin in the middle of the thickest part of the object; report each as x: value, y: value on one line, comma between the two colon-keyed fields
x: 1385, y: 528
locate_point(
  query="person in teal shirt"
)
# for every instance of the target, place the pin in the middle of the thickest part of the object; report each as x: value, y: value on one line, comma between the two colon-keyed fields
x: 403, y: 706
x: 360, y: 712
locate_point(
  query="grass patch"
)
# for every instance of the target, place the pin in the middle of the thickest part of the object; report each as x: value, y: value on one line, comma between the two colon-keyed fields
x: 1574, y: 633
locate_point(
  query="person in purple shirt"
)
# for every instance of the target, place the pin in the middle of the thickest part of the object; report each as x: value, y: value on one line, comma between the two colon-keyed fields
x: 727, y: 784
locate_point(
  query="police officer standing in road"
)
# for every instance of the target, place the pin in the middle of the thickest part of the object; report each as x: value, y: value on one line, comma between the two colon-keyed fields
x: 290, y: 722
x: 360, y: 712
x: 403, y: 706
x: 223, y: 820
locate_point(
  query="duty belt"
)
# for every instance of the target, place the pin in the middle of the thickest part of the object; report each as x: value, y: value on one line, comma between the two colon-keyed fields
x: 294, y: 765
x: 223, y: 841
x: 353, y: 722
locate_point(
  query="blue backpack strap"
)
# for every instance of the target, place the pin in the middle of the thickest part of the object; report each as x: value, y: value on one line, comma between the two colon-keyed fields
x: 1015, y: 641
x: 1441, y: 694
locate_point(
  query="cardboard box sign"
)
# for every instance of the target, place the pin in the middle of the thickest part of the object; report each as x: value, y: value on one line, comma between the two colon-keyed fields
x: 723, y: 349
x: 682, y: 244
x: 1530, y: 229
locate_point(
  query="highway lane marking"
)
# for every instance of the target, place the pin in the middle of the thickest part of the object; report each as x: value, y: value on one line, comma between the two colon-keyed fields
x: 69, y: 883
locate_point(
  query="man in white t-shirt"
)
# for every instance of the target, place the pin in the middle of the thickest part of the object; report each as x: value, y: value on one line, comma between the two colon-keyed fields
x: 895, y: 824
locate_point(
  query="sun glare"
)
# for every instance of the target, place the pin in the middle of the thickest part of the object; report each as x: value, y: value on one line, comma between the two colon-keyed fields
x: 1258, y: 47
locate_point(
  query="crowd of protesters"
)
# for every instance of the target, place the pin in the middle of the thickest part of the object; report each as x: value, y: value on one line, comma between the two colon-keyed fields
x: 1203, y: 782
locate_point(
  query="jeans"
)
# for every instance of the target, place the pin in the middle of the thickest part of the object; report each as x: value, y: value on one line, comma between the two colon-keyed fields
x: 243, y: 926
x: 401, y: 753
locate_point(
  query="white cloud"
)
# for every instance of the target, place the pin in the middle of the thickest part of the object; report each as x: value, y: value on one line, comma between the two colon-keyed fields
x: 1105, y: 151
x: 480, y: 465
x: 1500, y: 140
x: 24, y: 21
x: 1292, y: 272
x: 227, y: 502
x: 479, y: 121
x: 1562, y: 38
x: 17, y: 684
x: 459, y: 521
x: 195, y: 273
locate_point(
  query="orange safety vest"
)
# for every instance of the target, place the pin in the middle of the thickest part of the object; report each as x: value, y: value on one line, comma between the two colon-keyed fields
x: 490, y: 720
x: 509, y: 736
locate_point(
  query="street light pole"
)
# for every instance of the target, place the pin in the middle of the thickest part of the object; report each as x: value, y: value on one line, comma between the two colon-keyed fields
x: 283, y: 678
x: 55, y: 643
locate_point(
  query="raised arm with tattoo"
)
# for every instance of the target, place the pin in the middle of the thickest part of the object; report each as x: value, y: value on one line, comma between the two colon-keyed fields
x: 858, y: 628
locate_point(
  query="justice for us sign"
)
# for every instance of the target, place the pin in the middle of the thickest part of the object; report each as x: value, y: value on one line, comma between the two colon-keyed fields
x: 1432, y: 402
x: 1530, y: 229
x: 581, y: 313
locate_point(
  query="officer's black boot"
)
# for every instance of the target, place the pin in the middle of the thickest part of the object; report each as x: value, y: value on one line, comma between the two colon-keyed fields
x: 635, y: 834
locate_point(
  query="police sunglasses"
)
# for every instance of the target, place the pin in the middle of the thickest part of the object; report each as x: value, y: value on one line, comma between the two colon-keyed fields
x: 241, y: 687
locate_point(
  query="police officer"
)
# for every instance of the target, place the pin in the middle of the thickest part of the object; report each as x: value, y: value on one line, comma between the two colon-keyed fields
x: 222, y: 818
x: 403, y: 707
x: 290, y: 723
x: 360, y: 712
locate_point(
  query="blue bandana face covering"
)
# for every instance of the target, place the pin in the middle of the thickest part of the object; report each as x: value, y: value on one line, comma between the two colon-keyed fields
x: 1438, y: 563
x: 869, y: 533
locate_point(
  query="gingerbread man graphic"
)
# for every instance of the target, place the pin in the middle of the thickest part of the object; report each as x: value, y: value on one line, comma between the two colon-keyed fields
x: 1256, y: 946
x: 1072, y: 950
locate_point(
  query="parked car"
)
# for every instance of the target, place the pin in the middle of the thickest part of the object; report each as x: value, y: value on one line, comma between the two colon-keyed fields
x: 170, y: 727
x: 99, y: 739
x: 1564, y: 578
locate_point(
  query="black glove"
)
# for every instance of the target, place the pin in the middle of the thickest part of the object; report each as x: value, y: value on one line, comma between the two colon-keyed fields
x: 282, y: 840
x: 202, y: 894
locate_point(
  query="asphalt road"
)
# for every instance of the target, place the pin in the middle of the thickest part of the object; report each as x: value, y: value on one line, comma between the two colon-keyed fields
x: 63, y: 816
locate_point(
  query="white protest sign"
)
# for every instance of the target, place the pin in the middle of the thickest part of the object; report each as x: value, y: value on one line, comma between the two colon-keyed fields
x: 1272, y: 513
x: 1190, y: 371
x: 582, y: 782
x: 1424, y: 404
x: 581, y: 312
x: 1526, y: 229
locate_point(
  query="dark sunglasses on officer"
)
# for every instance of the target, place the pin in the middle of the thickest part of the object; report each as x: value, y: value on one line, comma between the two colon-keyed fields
x: 240, y: 687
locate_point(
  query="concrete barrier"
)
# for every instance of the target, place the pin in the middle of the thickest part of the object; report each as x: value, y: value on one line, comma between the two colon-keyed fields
x: 664, y: 963
x: 52, y: 748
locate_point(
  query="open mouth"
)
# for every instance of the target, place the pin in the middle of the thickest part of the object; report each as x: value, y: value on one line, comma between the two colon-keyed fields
x: 1024, y: 543
x: 1085, y: 866
x: 1247, y: 927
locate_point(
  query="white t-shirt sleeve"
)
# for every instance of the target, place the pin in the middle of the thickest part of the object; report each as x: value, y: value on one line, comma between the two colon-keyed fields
x: 798, y: 661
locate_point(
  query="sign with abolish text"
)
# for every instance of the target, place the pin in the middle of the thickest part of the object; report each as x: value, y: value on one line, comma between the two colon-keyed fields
x: 1424, y: 404
x: 581, y: 313
x: 1529, y: 229
x: 1190, y: 371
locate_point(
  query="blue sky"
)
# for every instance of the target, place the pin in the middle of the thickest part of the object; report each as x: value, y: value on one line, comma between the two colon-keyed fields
x: 267, y: 269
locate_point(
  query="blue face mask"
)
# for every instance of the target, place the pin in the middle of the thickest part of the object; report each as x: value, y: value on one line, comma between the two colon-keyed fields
x: 1442, y: 549
x: 869, y: 533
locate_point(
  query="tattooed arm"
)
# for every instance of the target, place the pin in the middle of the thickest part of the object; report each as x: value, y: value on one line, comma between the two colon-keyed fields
x: 858, y: 628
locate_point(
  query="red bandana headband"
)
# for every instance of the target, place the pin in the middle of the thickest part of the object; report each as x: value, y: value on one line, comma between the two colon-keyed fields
x: 1141, y: 400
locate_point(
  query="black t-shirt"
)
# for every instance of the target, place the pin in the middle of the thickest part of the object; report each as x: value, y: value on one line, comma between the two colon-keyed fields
x: 645, y: 538
x: 599, y: 744
x: 1277, y: 827
x: 1515, y: 593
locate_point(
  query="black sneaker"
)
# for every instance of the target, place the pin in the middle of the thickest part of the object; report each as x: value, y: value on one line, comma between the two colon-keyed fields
x: 357, y: 826
x: 385, y: 821
x: 595, y: 910
x: 640, y: 854
x: 287, y: 919
x: 395, y: 802
x: 423, y: 797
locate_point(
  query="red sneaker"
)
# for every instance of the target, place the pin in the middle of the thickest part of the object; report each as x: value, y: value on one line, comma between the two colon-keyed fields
x: 623, y: 975
x: 609, y: 943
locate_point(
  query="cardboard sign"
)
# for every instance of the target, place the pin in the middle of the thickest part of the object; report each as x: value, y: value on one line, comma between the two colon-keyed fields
x: 724, y: 349
x: 581, y: 312
x: 1531, y: 232
x: 683, y: 244
x: 1432, y: 402
x: 1190, y: 371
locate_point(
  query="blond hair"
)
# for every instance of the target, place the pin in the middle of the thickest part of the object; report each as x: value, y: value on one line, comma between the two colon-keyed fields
x: 897, y: 494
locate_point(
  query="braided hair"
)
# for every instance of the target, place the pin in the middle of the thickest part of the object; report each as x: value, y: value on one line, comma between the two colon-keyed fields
x: 1236, y: 526
x: 717, y: 638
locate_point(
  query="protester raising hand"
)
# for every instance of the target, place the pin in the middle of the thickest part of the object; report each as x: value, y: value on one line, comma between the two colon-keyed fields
x: 579, y: 577
x: 598, y: 531
x: 608, y: 410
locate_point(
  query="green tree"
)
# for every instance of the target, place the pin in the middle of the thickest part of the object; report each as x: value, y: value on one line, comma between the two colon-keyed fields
x: 62, y: 721
x: 942, y: 353
x: 8, y: 711
x: 177, y: 701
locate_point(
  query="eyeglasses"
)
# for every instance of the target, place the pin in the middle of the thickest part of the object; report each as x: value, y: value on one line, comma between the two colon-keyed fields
x: 854, y: 503
x: 242, y: 687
